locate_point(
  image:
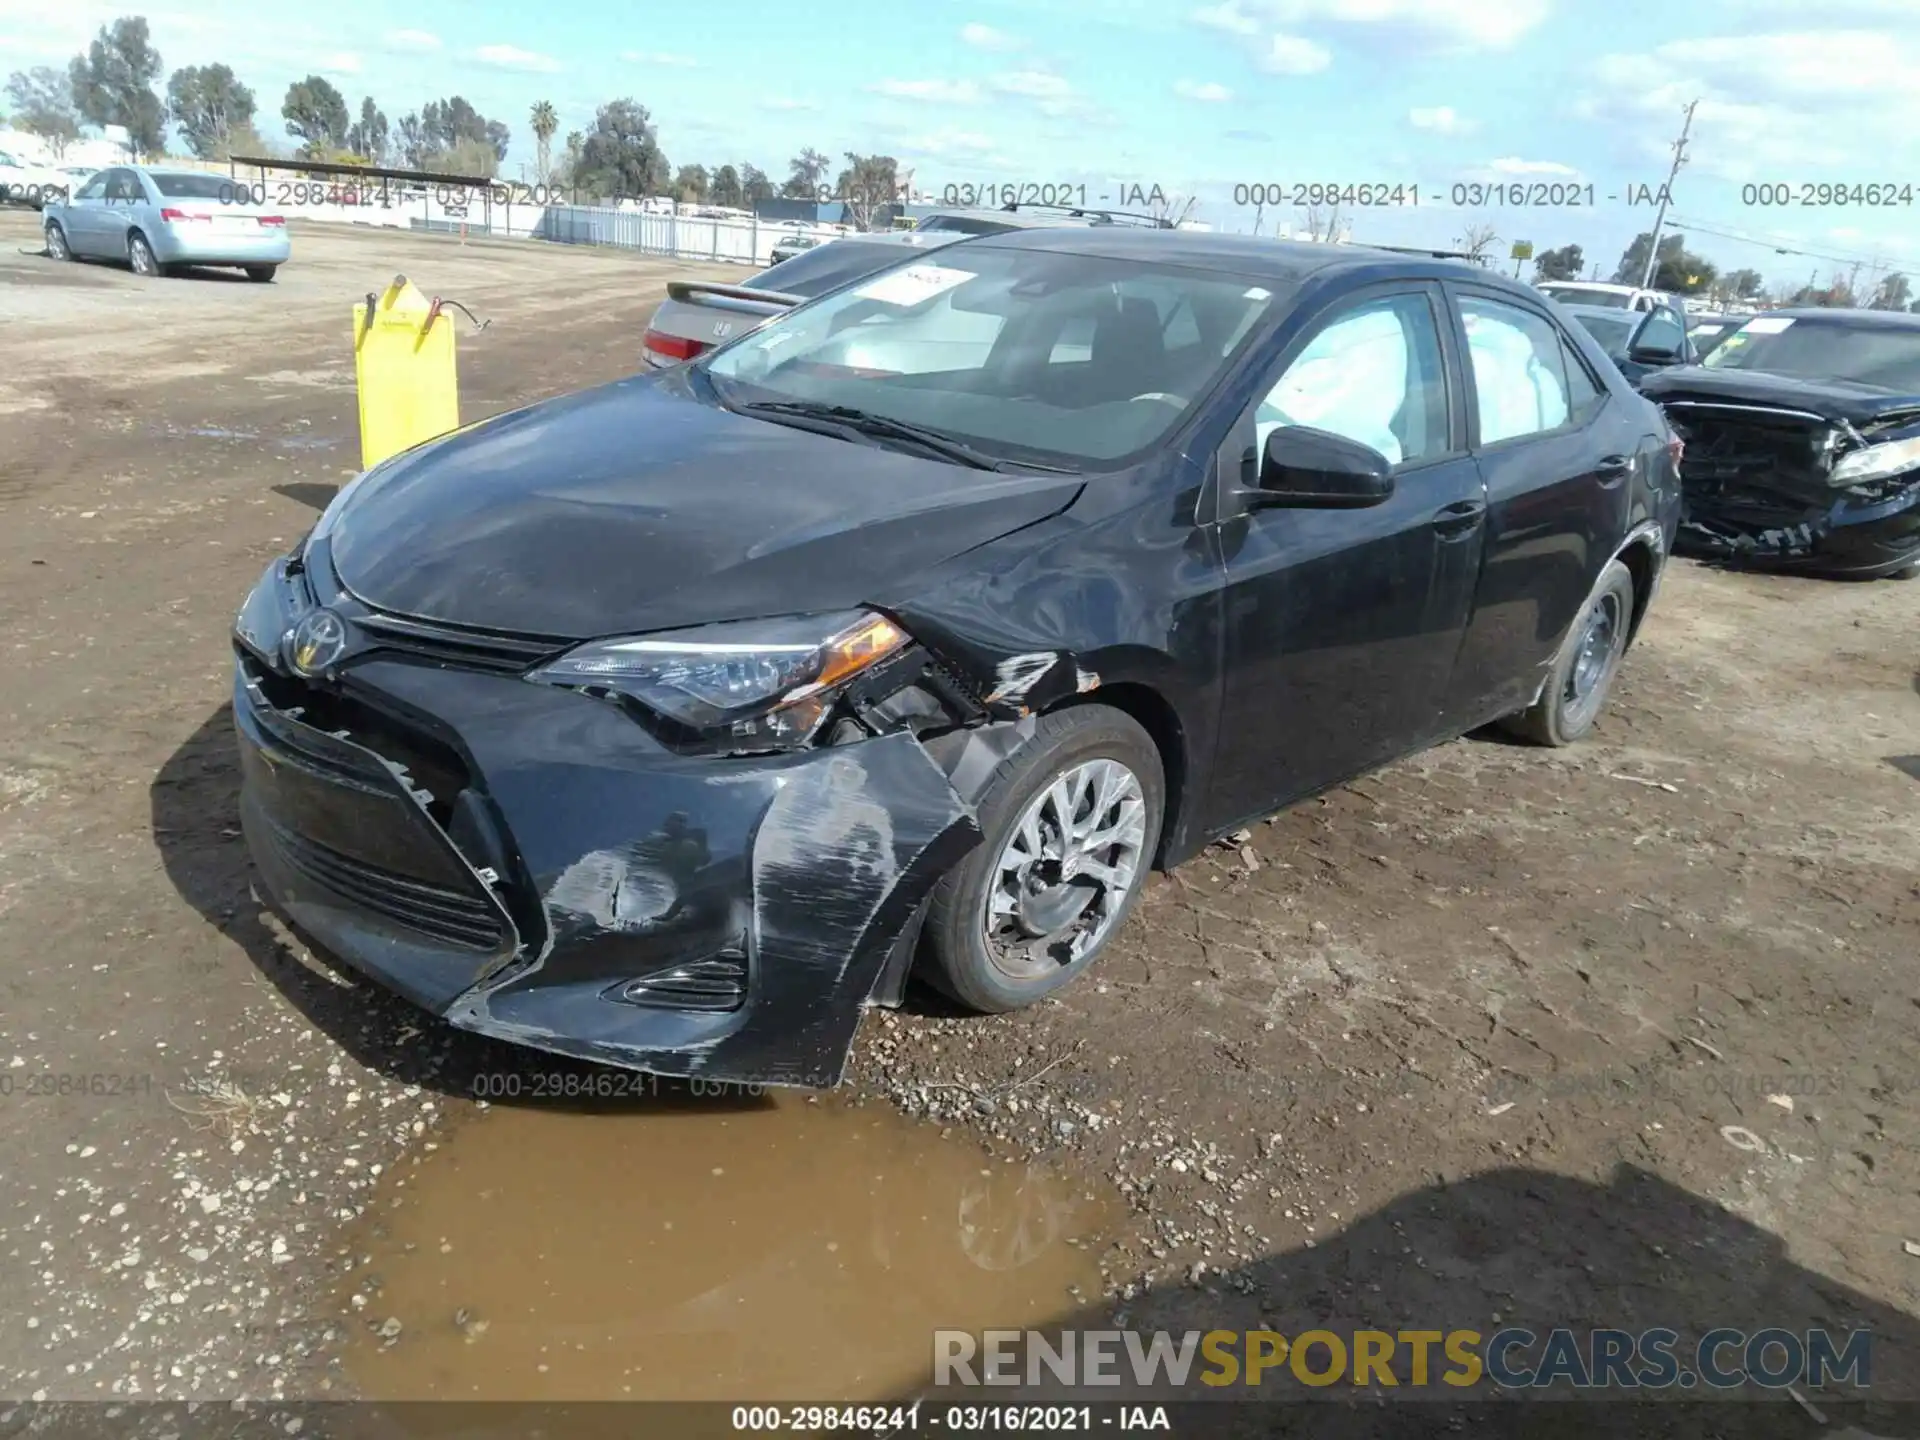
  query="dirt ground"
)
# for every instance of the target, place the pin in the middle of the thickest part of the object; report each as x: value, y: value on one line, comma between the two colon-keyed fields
x: 1627, y: 1034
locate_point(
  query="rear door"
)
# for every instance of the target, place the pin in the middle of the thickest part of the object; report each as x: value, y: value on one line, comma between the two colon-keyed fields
x: 1557, y: 448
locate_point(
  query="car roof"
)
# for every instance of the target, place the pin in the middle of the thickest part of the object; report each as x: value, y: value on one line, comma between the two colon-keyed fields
x: 1602, y: 312
x: 1015, y: 219
x: 1607, y: 285
x: 1283, y: 261
x: 1859, y: 319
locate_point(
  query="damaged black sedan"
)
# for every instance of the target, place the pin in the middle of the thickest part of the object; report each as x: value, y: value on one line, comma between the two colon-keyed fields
x: 1802, y: 435
x: 672, y: 723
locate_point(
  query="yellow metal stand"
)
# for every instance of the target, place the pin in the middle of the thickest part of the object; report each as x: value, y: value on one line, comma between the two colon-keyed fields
x: 403, y: 366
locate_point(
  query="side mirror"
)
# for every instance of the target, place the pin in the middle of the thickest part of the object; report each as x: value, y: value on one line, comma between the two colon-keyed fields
x: 1315, y: 469
x: 1663, y: 347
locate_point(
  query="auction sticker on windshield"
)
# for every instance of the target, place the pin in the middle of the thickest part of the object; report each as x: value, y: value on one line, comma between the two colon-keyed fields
x: 1767, y: 325
x: 913, y: 284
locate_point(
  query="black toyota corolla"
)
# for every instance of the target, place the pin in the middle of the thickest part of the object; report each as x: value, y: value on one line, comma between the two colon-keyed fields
x: 672, y: 723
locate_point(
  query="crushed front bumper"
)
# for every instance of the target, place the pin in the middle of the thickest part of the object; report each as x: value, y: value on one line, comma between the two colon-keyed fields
x: 530, y: 864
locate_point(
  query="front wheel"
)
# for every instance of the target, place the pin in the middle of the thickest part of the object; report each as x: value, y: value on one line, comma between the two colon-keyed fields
x: 57, y: 247
x: 1577, y: 686
x: 1070, y: 823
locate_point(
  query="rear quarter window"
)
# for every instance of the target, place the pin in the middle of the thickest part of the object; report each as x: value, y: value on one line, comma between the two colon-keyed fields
x: 828, y: 267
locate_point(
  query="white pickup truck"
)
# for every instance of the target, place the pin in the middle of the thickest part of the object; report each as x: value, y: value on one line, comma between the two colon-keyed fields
x: 25, y: 184
x: 1613, y: 297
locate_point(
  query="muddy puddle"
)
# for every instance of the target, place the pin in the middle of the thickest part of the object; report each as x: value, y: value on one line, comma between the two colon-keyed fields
x: 781, y: 1248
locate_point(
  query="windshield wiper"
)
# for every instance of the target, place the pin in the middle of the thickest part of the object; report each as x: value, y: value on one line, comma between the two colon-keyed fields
x: 865, y: 422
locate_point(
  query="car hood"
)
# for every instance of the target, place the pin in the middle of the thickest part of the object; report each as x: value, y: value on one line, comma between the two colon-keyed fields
x: 636, y: 506
x: 1847, y: 400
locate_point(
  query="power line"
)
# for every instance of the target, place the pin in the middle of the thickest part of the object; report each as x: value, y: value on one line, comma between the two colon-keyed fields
x: 1779, y: 248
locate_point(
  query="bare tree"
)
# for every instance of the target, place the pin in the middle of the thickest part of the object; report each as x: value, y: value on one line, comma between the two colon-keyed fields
x: 1477, y: 242
x: 1173, y: 210
x: 1321, y: 225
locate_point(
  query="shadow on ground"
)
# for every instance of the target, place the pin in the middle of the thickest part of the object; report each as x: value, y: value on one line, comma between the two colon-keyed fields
x: 1529, y: 1249
x: 195, y: 802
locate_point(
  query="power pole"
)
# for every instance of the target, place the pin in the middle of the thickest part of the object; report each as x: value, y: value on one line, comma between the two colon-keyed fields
x: 1660, y: 216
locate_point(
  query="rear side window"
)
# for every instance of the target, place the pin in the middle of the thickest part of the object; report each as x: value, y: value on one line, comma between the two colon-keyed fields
x: 194, y: 187
x: 829, y: 266
x: 1519, y: 370
x: 1584, y: 393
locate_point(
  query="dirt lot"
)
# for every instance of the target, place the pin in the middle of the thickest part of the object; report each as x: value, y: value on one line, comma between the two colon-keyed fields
x: 1622, y: 1035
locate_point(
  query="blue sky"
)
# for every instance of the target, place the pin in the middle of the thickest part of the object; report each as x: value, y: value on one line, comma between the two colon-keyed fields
x: 1195, y: 96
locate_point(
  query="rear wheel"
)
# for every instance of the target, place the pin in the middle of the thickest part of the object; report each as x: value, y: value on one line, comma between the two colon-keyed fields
x: 1577, y: 686
x: 57, y: 248
x: 1070, y: 823
x: 261, y: 274
x: 140, y: 255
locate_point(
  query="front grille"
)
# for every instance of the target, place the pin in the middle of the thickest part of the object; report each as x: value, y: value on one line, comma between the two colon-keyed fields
x: 449, y: 645
x: 449, y: 917
x: 718, y: 983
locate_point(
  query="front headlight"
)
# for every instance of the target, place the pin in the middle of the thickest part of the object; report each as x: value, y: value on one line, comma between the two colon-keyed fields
x: 754, y: 684
x: 1876, y: 462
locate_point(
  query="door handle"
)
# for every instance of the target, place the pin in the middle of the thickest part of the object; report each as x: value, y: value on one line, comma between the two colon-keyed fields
x: 1612, y: 469
x: 1460, y: 517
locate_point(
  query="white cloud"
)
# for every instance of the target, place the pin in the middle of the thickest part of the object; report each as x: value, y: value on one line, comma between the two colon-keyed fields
x: 1472, y: 23
x: 512, y: 57
x: 342, y: 62
x: 985, y: 37
x: 943, y: 143
x: 1806, y: 103
x: 656, y: 57
x: 1207, y: 91
x: 1034, y: 84
x: 1514, y: 165
x: 1295, y: 55
x: 413, y: 39
x: 941, y: 92
x: 1227, y: 16
x: 1441, y: 119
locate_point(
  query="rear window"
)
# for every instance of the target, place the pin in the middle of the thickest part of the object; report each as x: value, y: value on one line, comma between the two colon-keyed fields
x: 194, y: 187
x: 827, y: 267
x: 1581, y: 295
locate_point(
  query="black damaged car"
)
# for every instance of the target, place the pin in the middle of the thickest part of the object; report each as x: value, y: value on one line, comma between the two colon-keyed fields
x: 672, y: 723
x: 1802, y: 435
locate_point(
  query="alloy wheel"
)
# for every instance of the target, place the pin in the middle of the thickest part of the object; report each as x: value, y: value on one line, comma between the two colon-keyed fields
x: 1066, y: 871
x: 56, y: 243
x: 140, y: 256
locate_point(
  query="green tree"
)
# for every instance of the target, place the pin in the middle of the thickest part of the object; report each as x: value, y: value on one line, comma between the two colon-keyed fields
x: 725, y: 188
x: 1677, y: 270
x: 1744, y: 284
x: 690, y: 184
x: 544, y: 121
x: 621, y: 155
x: 806, y: 172
x: 113, y: 84
x: 370, y: 135
x: 754, y: 185
x: 207, y: 102
x: 316, y: 113
x: 869, y: 184
x: 42, y: 104
x: 1566, y: 263
x: 466, y: 156
x: 1894, y: 292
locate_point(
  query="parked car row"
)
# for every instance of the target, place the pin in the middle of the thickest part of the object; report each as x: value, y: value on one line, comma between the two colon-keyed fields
x: 25, y: 183
x: 904, y: 630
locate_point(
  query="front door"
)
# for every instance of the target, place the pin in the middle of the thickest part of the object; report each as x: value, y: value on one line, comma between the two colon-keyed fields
x: 81, y: 219
x: 1341, y: 625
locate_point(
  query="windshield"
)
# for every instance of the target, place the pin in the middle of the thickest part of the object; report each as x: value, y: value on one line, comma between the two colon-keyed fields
x: 1021, y: 353
x: 1612, y: 334
x: 1884, y: 356
x: 828, y: 267
x: 194, y: 187
x: 1590, y: 295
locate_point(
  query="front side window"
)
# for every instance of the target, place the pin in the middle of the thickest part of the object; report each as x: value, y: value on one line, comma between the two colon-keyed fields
x: 93, y: 189
x: 1519, y: 370
x: 1373, y: 374
x: 1026, y: 353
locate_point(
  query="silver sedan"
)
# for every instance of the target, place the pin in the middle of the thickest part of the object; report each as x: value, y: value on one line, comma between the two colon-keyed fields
x: 156, y: 220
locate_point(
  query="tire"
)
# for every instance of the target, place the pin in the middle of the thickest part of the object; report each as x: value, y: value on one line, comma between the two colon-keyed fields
x: 261, y: 274
x: 992, y: 978
x: 57, y: 247
x: 1576, y: 692
x: 141, y: 257
x: 1912, y: 572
